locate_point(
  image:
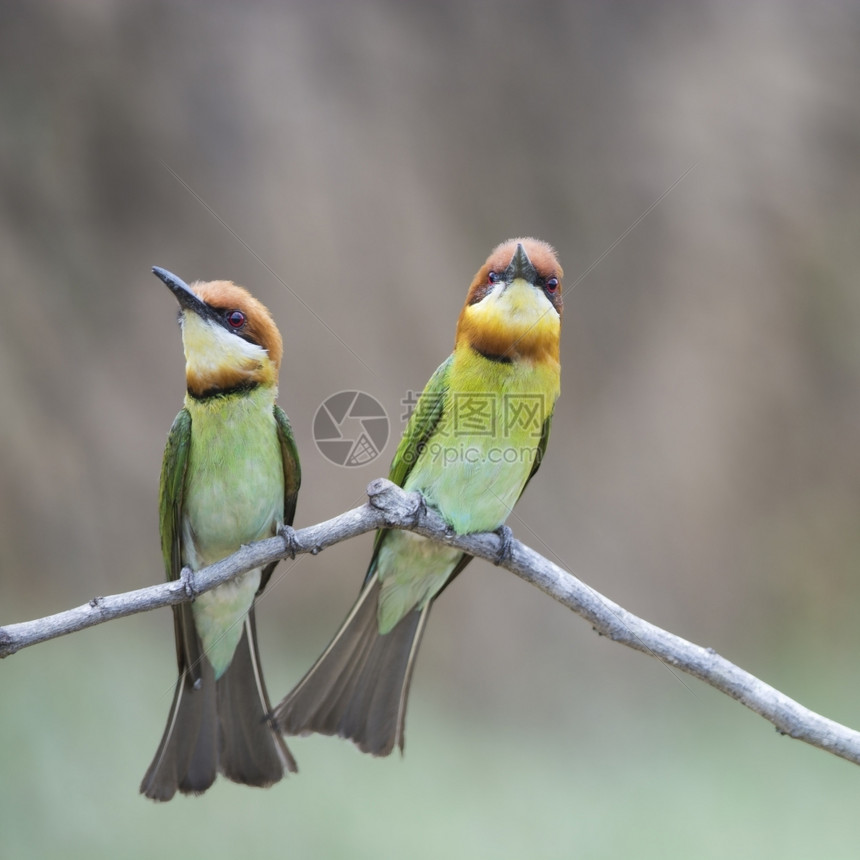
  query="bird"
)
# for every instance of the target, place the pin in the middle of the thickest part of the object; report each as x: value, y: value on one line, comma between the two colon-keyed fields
x: 230, y: 475
x: 475, y: 439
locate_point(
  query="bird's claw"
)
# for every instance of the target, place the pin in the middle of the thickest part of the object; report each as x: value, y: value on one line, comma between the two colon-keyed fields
x: 419, y: 511
x: 186, y: 575
x: 506, y: 537
x: 292, y: 545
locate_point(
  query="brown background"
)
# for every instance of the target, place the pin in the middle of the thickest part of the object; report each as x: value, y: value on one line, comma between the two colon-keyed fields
x: 353, y: 164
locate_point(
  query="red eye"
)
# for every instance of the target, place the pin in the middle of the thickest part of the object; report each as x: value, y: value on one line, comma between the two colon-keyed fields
x: 551, y: 285
x: 236, y: 319
x: 492, y: 278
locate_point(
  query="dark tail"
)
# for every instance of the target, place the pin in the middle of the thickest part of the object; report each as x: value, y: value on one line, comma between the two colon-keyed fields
x: 221, y: 726
x: 358, y: 688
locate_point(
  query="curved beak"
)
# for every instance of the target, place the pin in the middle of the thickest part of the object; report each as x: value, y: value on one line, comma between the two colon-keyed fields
x: 187, y: 298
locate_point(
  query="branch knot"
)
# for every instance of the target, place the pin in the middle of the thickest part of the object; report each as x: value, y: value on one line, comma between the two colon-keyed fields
x: 7, y: 645
x: 398, y: 507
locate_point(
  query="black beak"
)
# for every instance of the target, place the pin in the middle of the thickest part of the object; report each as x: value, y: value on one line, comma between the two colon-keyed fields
x: 520, y: 267
x: 187, y: 298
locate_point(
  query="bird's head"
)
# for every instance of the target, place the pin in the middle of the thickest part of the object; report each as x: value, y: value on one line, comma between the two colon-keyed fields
x: 230, y: 339
x: 513, y: 309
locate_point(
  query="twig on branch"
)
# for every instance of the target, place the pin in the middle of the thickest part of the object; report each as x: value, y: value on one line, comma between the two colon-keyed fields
x: 389, y: 506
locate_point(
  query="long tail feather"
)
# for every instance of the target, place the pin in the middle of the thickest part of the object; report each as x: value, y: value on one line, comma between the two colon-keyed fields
x: 252, y: 753
x: 359, y: 686
x: 221, y: 725
x: 187, y: 757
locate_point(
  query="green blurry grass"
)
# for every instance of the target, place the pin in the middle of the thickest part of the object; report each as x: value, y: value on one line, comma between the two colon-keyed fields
x: 688, y: 776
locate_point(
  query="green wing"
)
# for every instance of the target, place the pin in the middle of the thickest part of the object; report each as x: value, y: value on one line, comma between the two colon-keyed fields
x: 172, y: 490
x: 170, y: 499
x: 541, y: 450
x: 292, y: 469
x: 292, y: 479
x: 422, y: 423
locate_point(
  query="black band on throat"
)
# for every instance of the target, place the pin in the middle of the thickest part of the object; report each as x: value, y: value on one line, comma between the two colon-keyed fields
x: 499, y: 359
x: 209, y: 393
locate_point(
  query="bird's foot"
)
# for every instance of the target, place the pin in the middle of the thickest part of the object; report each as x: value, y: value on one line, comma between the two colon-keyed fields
x: 291, y: 542
x: 186, y: 576
x: 506, y: 537
x: 419, y: 510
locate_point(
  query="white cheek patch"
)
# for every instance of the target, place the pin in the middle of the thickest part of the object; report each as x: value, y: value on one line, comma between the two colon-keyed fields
x: 209, y: 347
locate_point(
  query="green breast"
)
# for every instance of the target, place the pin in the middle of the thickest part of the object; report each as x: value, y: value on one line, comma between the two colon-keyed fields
x: 234, y: 490
x: 472, y: 470
x: 234, y: 494
x: 479, y: 458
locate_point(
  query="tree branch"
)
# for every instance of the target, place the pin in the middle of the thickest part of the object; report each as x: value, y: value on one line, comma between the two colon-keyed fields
x: 389, y: 506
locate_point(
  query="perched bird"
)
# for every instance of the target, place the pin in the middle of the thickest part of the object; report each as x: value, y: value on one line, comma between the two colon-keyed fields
x: 230, y: 476
x: 476, y: 437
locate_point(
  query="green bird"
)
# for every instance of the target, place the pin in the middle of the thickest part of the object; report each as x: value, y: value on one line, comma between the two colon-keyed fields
x: 230, y: 476
x: 475, y: 439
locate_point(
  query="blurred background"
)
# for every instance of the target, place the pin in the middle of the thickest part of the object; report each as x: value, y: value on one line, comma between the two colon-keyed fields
x: 697, y: 167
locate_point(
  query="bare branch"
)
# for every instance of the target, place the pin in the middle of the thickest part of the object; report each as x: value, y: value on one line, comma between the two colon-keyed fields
x: 389, y: 506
